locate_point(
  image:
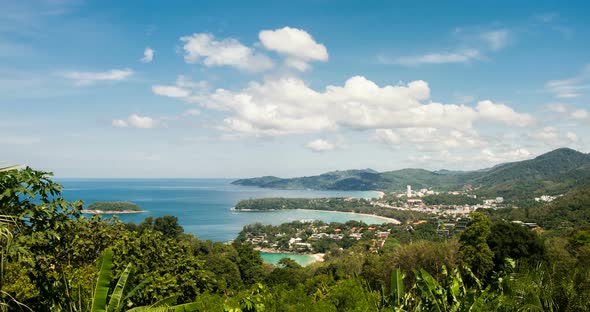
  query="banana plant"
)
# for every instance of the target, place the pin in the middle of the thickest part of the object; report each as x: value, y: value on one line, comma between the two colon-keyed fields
x: 118, y: 298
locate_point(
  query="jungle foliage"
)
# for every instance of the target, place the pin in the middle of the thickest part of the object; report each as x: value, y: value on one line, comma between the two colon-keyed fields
x: 55, y: 259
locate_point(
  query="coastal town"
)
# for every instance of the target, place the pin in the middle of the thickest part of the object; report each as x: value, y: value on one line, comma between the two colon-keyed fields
x: 445, y: 214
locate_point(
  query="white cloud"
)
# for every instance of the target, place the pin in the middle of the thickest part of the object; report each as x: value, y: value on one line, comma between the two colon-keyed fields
x: 148, y: 55
x: 495, y: 157
x: 462, y: 56
x: 569, y: 110
x: 547, y: 134
x: 136, y: 121
x: 496, y: 39
x: 320, y: 145
x: 580, y: 114
x: 89, y: 78
x: 119, y: 123
x: 170, y: 91
x: 288, y: 105
x: 571, y: 136
x: 570, y: 87
x: 502, y: 113
x: 204, y: 48
x: 297, y: 45
x: 387, y: 136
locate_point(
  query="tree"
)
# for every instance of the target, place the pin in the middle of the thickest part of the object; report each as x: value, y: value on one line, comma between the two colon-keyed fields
x: 514, y: 241
x: 474, y: 251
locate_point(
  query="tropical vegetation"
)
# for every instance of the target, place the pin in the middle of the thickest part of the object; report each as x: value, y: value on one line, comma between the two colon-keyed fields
x: 53, y: 258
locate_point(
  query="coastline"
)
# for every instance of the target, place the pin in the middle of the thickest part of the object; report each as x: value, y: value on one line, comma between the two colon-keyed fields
x: 114, y: 212
x: 389, y: 220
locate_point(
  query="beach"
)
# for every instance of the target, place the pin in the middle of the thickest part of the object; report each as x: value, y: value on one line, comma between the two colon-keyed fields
x: 389, y: 220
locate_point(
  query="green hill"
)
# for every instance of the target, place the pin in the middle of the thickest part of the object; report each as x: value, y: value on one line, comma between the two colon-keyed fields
x: 555, y: 172
x: 564, y: 213
x: 113, y: 207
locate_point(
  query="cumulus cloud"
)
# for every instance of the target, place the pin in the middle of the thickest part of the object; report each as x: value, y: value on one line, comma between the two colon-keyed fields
x: 502, y: 113
x: 320, y: 145
x: 388, y: 136
x: 89, y: 78
x: 204, y: 48
x: 547, y: 134
x: 148, y: 55
x: 431, y: 139
x: 462, y: 56
x: 288, y: 105
x: 136, y: 121
x: 569, y: 111
x: 494, y: 157
x: 297, y: 45
x: 580, y: 114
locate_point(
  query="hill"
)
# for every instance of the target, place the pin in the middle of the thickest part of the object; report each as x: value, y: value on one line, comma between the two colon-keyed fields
x: 565, y: 213
x: 555, y: 172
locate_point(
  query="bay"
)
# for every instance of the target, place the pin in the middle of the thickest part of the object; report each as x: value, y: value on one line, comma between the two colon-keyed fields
x: 274, y: 258
x: 203, y: 206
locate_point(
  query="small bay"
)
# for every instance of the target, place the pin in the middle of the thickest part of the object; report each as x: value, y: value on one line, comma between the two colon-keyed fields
x: 274, y: 258
x: 203, y: 206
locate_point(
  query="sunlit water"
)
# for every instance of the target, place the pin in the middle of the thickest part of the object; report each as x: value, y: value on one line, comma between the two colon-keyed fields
x: 202, y: 205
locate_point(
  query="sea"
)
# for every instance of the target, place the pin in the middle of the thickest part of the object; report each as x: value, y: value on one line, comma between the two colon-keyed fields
x: 203, y: 206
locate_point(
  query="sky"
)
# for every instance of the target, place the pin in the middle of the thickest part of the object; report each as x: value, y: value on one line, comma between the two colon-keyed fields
x: 212, y: 89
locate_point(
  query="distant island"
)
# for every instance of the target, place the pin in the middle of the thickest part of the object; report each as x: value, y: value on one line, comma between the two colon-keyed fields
x: 114, y: 207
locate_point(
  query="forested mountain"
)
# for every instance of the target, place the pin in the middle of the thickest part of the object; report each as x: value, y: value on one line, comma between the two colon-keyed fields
x: 552, y: 173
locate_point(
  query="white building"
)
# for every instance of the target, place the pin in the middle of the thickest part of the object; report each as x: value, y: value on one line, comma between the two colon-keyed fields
x: 409, y: 191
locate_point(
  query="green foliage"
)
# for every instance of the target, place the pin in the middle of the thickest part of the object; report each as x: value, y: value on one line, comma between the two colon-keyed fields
x: 474, y: 251
x: 103, y: 281
x: 113, y: 206
x: 514, y: 241
x: 50, y: 264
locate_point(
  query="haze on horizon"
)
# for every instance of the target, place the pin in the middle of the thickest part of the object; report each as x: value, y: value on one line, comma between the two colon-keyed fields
x: 241, y: 89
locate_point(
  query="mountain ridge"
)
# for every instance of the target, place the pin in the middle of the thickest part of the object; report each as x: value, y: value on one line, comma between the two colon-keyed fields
x: 553, y: 172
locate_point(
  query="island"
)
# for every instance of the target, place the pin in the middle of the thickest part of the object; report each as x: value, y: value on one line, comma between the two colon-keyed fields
x: 112, y: 207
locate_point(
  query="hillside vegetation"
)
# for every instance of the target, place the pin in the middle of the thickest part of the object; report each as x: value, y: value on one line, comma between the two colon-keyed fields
x: 555, y: 172
x: 113, y: 206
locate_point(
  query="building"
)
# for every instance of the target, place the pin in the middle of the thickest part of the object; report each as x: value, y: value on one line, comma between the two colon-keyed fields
x: 409, y: 191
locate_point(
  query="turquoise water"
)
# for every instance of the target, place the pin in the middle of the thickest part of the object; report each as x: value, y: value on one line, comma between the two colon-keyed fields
x: 275, y: 257
x: 202, y: 205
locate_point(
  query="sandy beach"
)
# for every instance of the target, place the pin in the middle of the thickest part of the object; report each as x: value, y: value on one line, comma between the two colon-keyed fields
x: 389, y: 220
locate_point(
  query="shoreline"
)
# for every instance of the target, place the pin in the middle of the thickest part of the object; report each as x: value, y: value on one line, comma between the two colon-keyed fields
x: 114, y: 212
x: 388, y: 219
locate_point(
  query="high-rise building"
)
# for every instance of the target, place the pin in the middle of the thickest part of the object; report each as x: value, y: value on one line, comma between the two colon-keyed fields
x: 409, y: 191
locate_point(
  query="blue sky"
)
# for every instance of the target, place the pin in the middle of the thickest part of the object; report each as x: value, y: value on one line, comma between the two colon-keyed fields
x: 288, y: 88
